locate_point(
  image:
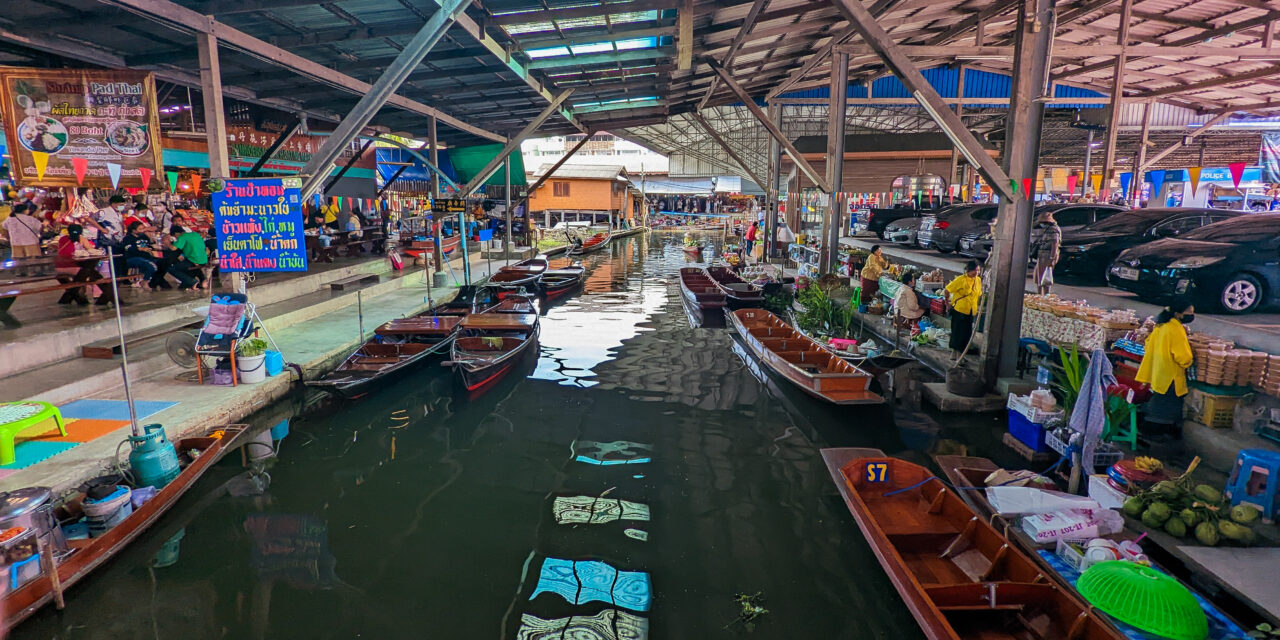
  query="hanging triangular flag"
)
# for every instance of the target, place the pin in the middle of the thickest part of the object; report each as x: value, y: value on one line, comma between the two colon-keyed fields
x: 113, y: 170
x: 1194, y: 174
x: 145, y: 175
x: 1096, y: 181
x: 133, y: 191
x: 1013, y: 186
x: 41, y: 160
x: 1048, y: 184
x: 1126, y: 179
x: 1157, y: 180
x: 172, y: 177
x: 195, y: 183
x: 1028, y: 188
x: 80, y: 166
x: 1072, y: 180
x: 1237, y: 173
x: 319, y: 201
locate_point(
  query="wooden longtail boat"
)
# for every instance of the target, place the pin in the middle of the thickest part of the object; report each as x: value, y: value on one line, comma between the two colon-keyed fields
x: 448, y: 245
x: 739, y: 293
x: 395, y: 347
x: 526, y: 273
x: 594, y: 243
x: 693, y: 250
x: 558, y: 282
x: 958, y: 575
x: 490, y: 344
x: 89, y: 554
x: 700, y: 290
x: 802, y: 360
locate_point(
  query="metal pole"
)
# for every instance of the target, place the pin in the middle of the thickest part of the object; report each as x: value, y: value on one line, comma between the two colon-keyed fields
x: 955, y: 151
x: 317, y: 168
x: 1088, y: 161
x: 360, y: 312
x: 1141, y: 161
x: 466, y: 259
x: 435, y: 156
x: 507, y: 244
x: 771, y: 190
x: 124, y: 352
x: 835, y: 161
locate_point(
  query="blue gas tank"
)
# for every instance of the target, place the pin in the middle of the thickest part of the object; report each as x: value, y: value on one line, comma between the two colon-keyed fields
x: 153, y: 459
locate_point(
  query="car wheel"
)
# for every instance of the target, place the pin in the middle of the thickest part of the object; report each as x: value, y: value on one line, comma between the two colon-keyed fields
x: 942, y: 249
x: 1242, y: 293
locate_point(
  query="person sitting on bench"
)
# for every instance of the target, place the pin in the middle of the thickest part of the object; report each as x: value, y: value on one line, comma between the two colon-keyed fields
x: 193, y: 256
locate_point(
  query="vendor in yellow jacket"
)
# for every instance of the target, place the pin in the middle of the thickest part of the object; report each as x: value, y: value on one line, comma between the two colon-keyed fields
x: 964, y: 294
x: 1165, y: 360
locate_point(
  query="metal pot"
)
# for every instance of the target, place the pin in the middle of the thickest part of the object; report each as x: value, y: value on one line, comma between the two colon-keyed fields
x: 32, y: 508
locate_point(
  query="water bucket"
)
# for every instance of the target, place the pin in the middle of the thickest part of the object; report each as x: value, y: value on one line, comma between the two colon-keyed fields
x: 275, y: 363
x: 281, y: 430
x: 153, y: 459
x: 252, y: 368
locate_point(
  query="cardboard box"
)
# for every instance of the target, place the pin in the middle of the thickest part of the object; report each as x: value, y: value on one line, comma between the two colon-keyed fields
x: 1106, y: 495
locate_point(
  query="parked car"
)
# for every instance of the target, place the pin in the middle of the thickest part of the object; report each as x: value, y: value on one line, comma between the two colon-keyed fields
x: 1088, y: 252
x: 1232, y: 265
x: 875, y: 220
x: 942, y: 230
x: 902, y: 231
x: 978, y: 243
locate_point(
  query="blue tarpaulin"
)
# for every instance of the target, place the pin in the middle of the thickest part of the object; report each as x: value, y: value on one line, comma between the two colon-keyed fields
x: 390, y: 159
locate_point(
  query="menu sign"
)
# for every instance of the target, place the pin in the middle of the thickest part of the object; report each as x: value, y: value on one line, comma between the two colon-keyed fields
x: 259, y: 225
x: 90, y: 128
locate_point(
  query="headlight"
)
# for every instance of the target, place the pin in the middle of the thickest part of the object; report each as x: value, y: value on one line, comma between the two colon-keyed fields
x: 1081, y: 248
x: 1195, y: 262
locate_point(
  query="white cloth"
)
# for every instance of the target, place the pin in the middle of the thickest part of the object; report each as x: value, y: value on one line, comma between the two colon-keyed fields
x: 785, y: 235
x: 112, y: 221
x: 23, y: 230
x: 1089, y: 416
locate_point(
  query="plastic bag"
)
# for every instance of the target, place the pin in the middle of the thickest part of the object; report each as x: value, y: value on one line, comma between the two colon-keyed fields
x: 1009, y: 500
x: 1074, y: 524
x: 1046, y: 278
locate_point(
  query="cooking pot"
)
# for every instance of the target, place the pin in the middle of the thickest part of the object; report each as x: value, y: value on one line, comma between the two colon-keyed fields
x: 32, y: 508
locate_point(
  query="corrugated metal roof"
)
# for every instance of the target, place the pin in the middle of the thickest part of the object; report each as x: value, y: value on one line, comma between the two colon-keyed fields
x: 584, y: 171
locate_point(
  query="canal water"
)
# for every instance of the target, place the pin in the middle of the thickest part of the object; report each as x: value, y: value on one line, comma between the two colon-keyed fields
x: 632, y: 481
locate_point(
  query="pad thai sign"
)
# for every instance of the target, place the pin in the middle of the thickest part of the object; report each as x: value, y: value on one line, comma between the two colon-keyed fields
x: 259, y: 225
x: 87, y: 128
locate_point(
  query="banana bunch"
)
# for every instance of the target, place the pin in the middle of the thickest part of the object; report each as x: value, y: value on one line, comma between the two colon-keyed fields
x: 1148, y: 464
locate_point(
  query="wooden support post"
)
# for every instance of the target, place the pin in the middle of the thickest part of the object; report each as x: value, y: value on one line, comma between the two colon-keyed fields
x: 834, y: 219
x: 1117, y: 96
x: 684, y: 36
x: 1141, y: 160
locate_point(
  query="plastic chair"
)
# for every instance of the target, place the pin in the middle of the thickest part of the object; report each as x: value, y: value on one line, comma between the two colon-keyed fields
x: 1119, y: 400
x: 1255, y: 481
x: 856, y: 300
x: 1029, y: 348
x: 20, y: 416
x: 209, y: 343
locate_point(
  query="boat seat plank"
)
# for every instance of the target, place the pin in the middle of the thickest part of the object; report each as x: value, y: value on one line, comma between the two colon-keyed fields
x: 512, y: 321
x: 377, y: 359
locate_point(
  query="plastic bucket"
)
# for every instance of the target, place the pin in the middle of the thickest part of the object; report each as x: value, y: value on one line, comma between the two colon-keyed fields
x: 252, y: 368
x: 275, y: 363
x: 221, y: 374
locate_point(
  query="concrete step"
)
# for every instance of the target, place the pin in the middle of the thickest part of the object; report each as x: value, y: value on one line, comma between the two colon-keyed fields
x: 60, y: 332
x: 76, y: 378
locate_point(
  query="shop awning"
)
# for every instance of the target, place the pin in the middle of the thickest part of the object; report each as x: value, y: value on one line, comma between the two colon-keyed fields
x: 391, y: 159
x: 469, y: 161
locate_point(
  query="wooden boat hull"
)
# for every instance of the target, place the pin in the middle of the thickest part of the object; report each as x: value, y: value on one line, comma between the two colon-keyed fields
x: 977, y: 586
x: 739, y: 294
x: 592, y: 244
x: 349, y: 385
x: 422, y: 338
x: 480, y: 362
x: 700, y: 291
x: 693, y: 251
x: 26, y: 600
x: 515, y: 279
x: 560, y: 282
x: 450, y: 244
x: 803, y: 361
x: 480, y: 377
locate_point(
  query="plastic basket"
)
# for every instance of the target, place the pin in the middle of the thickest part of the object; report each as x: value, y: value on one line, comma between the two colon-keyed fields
x: 1104, y: 455
x: 1022, y: 404
x: 1144, y: 598
x: 1216, y: 411
x: 1028, y: 433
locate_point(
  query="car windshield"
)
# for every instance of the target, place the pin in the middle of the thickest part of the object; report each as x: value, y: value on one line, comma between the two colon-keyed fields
x: 1130, y: 221
x: 1242, y: 229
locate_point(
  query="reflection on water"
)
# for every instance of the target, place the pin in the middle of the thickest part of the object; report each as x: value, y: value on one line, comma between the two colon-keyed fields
x: 417, y: 512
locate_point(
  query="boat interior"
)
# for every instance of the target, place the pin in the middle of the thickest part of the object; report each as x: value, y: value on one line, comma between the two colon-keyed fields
x: 698, y: 282
x: 966, y: 570
x: 791, y: 345
x: 490, y: 344
x: 419, y: 329
x: 378, y: 356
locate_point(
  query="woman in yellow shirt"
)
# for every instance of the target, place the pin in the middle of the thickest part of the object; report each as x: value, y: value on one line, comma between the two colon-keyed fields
x: 963, y: 294
x: 1165, y: 359
x: 876, y: 264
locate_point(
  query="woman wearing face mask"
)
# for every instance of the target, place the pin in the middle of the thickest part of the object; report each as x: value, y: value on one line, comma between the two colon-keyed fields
x: 1047, y: 253
x: 1164, y: 366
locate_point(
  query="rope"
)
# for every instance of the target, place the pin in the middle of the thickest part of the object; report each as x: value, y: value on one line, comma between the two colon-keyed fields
x: 914, y: 486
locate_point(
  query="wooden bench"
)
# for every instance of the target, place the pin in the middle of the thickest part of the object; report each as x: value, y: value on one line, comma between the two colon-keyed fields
x: 11, y: 294
x: 354, y: 281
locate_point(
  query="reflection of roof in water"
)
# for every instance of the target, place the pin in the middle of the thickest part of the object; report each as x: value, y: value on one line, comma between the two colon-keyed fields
x: 609, y: 624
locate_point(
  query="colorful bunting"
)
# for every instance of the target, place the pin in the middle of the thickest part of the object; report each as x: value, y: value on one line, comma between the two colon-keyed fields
x: 195, y: 183
x: 1157, y: 180
x: 1096, y: 181
x: 1194, y: 174
x: 172, y: 177
x: 1126, y: 179
x: 1048, y: 184
x: 41, y: 160
x: 145, y: 175
x: 1028, y: 187
x: 113, y: 170
x: 1072, y: 180
x: 1237, y: 173
x: 80, y: 166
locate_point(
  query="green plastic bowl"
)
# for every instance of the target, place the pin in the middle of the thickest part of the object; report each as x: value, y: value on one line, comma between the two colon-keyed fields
x: 1145, y: 599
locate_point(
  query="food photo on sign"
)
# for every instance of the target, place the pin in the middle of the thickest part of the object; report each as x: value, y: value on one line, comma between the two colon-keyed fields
x: 259, y: 224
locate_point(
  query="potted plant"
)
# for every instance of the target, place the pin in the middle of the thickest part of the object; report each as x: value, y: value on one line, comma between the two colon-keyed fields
x: 251, y: 358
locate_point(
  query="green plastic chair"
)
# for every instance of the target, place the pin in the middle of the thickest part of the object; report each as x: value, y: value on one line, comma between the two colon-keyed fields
x: 856, y: 300
x: 19, y: 416
x: 1123, y: 433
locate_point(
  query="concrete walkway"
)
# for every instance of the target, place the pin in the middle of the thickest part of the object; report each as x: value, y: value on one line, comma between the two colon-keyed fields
x: 317, y: 345
x: 1254, y: 331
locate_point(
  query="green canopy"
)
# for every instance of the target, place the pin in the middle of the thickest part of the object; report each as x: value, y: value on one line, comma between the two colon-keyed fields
x: 468, y: 161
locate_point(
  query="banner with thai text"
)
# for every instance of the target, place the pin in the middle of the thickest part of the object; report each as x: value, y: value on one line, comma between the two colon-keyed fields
x: 89, y: 128
x: 259, y: 225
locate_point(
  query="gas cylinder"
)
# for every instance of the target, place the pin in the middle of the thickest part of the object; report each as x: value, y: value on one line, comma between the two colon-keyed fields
x: 153, y: 459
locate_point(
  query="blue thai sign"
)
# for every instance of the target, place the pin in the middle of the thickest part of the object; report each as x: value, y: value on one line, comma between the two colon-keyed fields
x: 259, y: 225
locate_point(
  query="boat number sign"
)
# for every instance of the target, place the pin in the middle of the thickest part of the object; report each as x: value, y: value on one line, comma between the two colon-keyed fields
x: 877, y: 471
x: 259, y: 225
